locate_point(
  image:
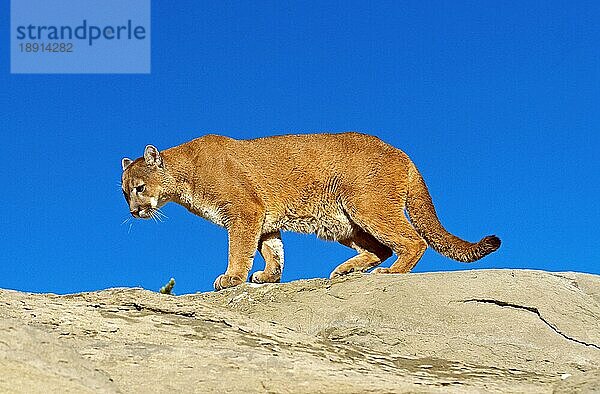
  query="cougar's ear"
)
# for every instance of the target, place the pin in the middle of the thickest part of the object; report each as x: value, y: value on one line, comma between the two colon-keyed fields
x: 152, y: 156
x: 126, y: 163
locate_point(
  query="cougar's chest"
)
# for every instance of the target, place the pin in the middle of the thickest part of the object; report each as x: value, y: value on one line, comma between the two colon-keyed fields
x: 208, y: 211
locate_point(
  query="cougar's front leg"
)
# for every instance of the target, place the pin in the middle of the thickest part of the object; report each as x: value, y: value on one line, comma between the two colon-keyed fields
x: 244, y: 233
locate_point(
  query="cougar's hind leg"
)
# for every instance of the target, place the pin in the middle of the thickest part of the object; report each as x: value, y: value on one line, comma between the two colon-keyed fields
x: 271, y: 249
x: 371, y: 253
x: 408, y: 246
x: 388, y: 225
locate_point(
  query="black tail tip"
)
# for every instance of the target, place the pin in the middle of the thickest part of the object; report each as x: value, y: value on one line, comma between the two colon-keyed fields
x: 491, y: 243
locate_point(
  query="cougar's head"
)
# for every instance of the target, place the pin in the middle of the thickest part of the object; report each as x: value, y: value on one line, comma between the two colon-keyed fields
x: 142, y: 183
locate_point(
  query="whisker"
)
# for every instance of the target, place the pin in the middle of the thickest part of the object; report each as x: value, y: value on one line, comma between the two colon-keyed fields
x: 126, y: 220
x: 160, y: 213
x: 130, y: 225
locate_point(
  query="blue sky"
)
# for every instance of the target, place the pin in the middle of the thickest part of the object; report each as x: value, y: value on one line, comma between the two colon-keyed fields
x: 496, y: 102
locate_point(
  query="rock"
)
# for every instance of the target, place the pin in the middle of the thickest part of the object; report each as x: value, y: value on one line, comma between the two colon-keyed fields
x: 467, y: 331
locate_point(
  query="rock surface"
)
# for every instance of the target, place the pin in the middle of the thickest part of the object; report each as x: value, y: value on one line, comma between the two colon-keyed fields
x: 468, y: 331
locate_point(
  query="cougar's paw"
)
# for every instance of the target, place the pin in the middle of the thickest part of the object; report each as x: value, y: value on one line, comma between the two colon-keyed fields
x: 381, y: 271
x: 224, y: 281
x: 264, y: 277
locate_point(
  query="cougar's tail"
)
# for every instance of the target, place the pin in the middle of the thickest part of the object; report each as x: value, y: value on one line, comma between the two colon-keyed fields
x: 424, y: 218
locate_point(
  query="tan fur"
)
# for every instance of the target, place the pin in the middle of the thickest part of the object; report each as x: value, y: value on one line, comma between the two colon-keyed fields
x: 350, y: 187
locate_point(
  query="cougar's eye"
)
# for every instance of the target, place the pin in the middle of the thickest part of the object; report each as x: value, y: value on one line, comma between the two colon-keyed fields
x: 140, y: 188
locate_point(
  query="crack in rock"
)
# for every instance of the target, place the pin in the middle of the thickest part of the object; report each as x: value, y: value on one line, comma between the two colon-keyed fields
x: 191, y: 315
x: 535, y: 311
x: 139, y: 307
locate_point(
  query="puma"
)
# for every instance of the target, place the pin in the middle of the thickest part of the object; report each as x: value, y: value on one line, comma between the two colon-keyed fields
x: 349, y: 187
